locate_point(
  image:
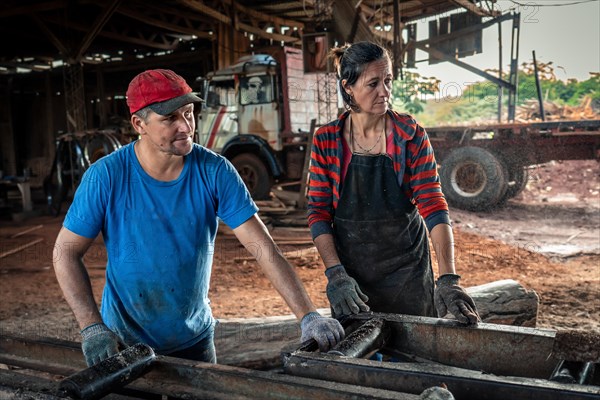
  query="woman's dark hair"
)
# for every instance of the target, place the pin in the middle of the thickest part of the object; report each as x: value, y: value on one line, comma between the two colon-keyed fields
x: 350, y: 61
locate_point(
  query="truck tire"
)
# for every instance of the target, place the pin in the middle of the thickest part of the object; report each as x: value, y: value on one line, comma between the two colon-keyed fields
x: 255, y: 175
x: 473, y: 178
x: 518, y: 177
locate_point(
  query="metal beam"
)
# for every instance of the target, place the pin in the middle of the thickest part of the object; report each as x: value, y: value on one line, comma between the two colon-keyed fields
x: 97, y: 27
x: 486, y: 361
x: 33, y: 8
x: 206, y: 10
x: 472, y: 7
x: 415, y: 377
x: 265, y: 17
x: 146, y: 18
x: 444, y: 57
x: 264, y: 34
x: 466, y: 31
x: 51, y: 36
x: 188, y: 379
x: 124, y: 35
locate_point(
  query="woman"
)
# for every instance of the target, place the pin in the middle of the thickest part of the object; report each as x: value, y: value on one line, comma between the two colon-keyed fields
x: 374, y: 192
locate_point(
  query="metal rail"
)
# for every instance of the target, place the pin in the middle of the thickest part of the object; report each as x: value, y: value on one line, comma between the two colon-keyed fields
x: 172, y: 377
x: 489, y: 361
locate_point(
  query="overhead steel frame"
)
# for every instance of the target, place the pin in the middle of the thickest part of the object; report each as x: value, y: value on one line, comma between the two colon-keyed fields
x: 74, y: 97
x: 510, y: 84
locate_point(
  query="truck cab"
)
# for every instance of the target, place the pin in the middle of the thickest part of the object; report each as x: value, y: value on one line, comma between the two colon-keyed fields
x: 257, y: 113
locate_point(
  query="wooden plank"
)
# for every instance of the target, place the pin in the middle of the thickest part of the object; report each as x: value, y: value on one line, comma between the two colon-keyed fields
x: 302, y: 195
x: 20, y: 248
x: 33, y: 228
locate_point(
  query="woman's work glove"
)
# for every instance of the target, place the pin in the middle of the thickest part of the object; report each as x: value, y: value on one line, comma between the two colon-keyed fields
x: 327, y: 332
x: 449, y: 296
x: 98, y: 343
x: 343, y: 292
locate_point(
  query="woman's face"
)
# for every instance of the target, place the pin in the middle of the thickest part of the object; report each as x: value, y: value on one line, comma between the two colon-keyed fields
x: 373, y: 88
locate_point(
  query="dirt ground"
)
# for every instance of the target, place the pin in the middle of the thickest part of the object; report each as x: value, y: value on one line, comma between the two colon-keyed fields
x: 547, y: 238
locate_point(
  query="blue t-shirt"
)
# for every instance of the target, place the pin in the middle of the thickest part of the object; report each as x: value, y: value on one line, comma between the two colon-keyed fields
x: 159, y: 237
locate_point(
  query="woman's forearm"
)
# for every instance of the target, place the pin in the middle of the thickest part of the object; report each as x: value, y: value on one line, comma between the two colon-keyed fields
x: 326, y: 246
x: 442, y: 240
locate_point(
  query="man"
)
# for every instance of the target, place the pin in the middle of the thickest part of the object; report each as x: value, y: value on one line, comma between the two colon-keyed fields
x: 156, y: 202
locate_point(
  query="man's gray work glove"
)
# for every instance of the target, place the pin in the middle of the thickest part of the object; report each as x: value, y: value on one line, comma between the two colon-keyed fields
x: 98, y: 343
x: 327, y: 332
x: 449, y: 296
x: 343, y: 292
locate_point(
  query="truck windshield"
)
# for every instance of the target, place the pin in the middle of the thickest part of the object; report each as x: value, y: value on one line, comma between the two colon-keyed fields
x: 221, y: 93
x: 255, y: 90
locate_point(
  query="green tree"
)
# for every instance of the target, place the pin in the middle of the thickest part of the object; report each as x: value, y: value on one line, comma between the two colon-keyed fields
x: 479, y: 101
x: 409, y: 94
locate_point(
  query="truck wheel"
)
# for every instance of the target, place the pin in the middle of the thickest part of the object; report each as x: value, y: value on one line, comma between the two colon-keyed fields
x: 473, y: 178
x: 254, y: 174
x: 518, y: 177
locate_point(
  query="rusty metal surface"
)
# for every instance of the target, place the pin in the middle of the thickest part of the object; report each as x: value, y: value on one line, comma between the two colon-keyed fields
x: 188, y: 379
x: 487, y: 362
x: 110, y: 374
x: 416, y: 377
x: 368, y: 338
x: 493, y: 348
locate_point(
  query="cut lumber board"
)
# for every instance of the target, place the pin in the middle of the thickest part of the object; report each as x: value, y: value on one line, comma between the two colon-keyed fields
x: 31, y: 229
x: 20, y: 248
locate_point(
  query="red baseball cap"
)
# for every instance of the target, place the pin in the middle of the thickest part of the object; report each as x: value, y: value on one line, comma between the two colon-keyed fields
x: 160, y: 89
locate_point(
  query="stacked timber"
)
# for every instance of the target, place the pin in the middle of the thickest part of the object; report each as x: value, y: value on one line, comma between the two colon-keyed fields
x: 530, y: 111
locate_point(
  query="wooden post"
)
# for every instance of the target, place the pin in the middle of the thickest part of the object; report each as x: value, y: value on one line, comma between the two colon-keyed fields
x: 302, y: 194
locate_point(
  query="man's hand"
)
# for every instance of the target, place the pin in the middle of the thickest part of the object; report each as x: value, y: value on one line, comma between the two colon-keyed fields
x: 449, y: 296
x: 343, y: 292
x: 327, y: 332
x: 98, y: 343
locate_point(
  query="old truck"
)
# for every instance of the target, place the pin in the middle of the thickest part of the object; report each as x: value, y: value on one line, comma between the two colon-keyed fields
x: 258, y: 114
x: 482, y: 166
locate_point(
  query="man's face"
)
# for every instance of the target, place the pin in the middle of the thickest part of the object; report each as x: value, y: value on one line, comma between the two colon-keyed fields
x: 171, y: 133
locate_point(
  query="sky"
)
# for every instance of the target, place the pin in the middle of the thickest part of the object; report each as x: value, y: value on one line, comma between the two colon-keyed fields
x: 569, y: 36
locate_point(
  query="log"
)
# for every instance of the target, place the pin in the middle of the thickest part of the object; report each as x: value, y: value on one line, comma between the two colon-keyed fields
x: 257, y: 342
x: 505, y: 302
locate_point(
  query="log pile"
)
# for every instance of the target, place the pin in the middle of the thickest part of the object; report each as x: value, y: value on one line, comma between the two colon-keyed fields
x: 530, y: 111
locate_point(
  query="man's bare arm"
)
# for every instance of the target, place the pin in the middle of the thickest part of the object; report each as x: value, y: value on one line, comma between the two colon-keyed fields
x: 255, y: 237
x: 73, y: 277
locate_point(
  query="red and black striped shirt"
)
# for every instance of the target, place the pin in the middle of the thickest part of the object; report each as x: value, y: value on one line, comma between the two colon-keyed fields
x: 413, y: 160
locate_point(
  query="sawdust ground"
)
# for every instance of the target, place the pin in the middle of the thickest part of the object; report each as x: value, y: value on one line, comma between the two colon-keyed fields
x: 502, y: 244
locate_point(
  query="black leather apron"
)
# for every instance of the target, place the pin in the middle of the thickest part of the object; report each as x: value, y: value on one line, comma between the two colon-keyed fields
x: 381, y: 239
